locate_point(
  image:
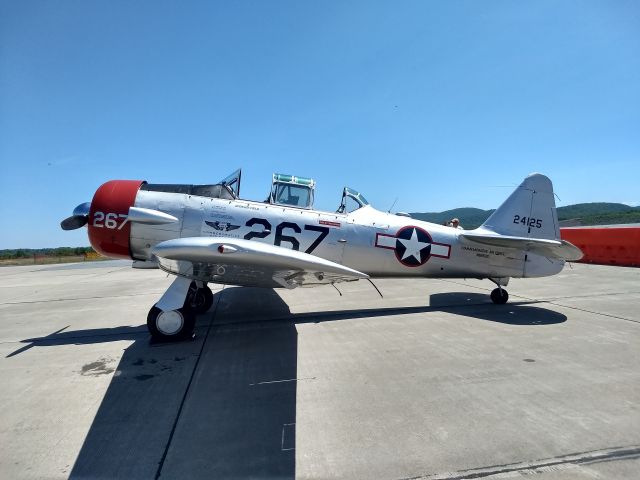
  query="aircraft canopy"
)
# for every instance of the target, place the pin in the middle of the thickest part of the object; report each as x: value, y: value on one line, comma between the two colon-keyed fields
x: 232, y: 182
x: 292, y: 191
x: 351, y: 200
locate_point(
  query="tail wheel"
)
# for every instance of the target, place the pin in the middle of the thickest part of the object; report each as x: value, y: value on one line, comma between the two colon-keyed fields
x: 199, y: 300
x: 170, y: 325
x: 499, y: 296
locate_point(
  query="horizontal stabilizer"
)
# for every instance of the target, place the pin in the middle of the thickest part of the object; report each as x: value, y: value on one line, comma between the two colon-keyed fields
x: 560, y: 249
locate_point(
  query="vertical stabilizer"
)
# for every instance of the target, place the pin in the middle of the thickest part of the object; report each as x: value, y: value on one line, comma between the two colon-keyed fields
x: 530, y: 211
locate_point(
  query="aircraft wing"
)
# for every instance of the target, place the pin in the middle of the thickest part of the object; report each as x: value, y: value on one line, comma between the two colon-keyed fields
x: 236, y: 261
x: 560, y: 249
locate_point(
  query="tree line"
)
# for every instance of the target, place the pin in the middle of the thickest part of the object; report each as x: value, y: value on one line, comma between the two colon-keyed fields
x: 9, y: 254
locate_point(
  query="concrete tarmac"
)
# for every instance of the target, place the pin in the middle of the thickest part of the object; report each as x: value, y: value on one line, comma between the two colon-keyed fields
x: 432, y: 381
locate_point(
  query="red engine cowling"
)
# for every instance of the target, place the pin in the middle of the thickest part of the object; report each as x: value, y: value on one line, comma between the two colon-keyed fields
x: 109, y: 230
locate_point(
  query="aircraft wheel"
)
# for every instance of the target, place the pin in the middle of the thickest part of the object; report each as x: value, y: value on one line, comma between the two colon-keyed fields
x: 171, y: 325
x: 499, y: 296
x: 200, y: 300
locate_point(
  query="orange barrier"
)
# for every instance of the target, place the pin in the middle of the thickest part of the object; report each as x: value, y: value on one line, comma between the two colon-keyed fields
x: 606, y: 245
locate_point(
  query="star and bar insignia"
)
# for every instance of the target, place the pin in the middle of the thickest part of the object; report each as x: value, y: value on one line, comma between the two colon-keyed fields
x: 413, y: 246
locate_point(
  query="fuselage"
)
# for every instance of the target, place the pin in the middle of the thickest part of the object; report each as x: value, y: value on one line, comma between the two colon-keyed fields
x: 374, y: 242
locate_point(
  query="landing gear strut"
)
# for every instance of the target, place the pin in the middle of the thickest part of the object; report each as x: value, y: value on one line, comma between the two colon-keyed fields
x: 173, y: 318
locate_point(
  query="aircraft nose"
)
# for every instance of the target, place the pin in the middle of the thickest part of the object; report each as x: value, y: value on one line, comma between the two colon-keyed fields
x: 109, y: 229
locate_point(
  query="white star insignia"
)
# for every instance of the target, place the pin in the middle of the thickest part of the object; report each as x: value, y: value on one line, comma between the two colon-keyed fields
x: 413, y: 246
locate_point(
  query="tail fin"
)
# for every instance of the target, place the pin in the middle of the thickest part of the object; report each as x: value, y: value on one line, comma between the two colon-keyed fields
x: 528, y: 221
x: 530, y: 211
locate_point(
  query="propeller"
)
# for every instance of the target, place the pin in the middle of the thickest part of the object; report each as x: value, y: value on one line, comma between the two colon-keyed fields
x: 79, y: 218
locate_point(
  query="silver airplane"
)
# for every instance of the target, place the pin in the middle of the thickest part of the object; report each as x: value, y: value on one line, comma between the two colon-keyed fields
x: 208, y: 234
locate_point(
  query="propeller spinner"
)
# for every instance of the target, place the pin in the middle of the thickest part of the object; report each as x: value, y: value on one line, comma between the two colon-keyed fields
x: 79, y: 218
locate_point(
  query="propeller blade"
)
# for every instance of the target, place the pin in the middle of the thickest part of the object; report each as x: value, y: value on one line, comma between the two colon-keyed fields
x: 74, y: 221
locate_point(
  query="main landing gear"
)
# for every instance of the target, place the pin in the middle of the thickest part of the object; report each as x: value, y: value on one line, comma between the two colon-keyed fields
x: 499, y: 295
x: 171, y: 325
x: 173, y: 318
x: 199, y: 299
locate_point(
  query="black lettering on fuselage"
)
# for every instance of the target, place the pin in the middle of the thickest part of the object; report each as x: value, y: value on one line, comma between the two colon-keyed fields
x: 280, y: 238
x: 258, y: 221
x: 295, y: 244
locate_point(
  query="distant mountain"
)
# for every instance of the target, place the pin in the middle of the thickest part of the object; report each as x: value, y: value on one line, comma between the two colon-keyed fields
x: 467, y: 216
x: 581, y: 210
x: 598, y: 213
x: 615, y: 218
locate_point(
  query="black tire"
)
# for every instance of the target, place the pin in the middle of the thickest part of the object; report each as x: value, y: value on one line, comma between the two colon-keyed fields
x: 199, y: 300
x: 499, y: 296
x: 181, y: 318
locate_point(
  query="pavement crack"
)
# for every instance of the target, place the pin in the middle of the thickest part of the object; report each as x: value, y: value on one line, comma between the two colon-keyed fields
x: 593, y: 312
x: 538, y: 466
x: 74, y: 299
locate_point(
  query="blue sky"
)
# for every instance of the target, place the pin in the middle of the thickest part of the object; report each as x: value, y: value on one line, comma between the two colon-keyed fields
x: 441, y: 104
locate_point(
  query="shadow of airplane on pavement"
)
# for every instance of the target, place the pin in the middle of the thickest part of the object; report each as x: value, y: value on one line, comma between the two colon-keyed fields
x: 473, y: 305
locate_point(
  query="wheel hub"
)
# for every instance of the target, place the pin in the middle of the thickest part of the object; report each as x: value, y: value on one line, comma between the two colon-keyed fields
x: 170, y: 323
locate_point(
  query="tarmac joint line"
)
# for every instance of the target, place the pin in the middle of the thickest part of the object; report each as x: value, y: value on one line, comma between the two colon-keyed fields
x: 186, y: 392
